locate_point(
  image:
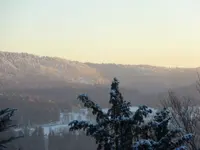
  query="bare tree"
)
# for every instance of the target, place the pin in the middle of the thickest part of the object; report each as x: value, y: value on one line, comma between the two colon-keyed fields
x: 186, y: 115
x: 198, y: 82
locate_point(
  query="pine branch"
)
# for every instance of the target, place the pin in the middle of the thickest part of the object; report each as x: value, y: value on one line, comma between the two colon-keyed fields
x: 96, y: 110
x: 6, y: 123
x: 79, y: 125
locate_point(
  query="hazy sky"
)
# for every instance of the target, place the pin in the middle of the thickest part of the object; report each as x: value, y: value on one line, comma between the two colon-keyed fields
x: 155, y: 32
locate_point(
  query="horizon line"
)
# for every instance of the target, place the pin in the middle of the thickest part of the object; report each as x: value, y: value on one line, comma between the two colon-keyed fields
x: 103, y: 63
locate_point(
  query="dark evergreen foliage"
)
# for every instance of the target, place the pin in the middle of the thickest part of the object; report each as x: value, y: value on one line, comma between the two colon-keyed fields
x: 5, y: 124
x: 121, y: 129
x: 156, y: 134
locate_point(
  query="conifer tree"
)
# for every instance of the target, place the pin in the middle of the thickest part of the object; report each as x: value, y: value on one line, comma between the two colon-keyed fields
x: 6, y: 123
x: 121, y: 129
x: 156, y: 134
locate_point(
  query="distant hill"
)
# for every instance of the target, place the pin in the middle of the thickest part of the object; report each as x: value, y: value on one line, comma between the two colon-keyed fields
x: 22, y: 70
x: 42, y: 86
x: 26, y: 70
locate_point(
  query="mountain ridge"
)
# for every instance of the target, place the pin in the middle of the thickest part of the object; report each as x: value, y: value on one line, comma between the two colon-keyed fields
x: 87, y: 62
x: 33, y: 71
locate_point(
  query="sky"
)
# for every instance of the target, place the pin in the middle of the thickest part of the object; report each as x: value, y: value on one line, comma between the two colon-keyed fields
x: 154, y: 32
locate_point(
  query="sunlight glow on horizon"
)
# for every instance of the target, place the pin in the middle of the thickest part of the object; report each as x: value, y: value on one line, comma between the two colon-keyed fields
x: 161, y: 33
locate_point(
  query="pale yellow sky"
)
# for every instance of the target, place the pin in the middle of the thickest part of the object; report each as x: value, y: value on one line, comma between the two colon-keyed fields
x: 162, y: 33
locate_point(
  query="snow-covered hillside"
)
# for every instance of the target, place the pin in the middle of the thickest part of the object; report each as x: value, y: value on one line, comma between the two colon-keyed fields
x: 23, y: 68
x: 32, y: 71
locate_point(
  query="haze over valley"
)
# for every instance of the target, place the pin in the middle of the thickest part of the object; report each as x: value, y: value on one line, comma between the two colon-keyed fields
x: 60, y: 80
x: 65, y: 61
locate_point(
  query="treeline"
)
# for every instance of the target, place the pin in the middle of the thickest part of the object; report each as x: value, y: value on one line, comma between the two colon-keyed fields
x: 31, y: 109
x: 64, y: 141
x: 39, y: 106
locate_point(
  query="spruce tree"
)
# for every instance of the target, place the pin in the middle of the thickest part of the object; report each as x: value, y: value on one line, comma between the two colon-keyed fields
x: 156, y: 134
x: 6, y: 123
x: 121, y: 129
